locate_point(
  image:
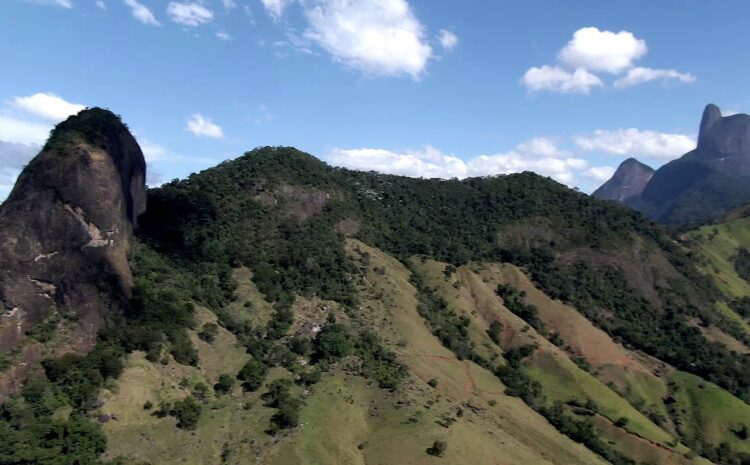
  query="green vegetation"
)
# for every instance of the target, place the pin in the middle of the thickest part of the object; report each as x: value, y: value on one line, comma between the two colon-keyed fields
x: 513, y: 300
x: 742, y: 263
x: 186, y: 411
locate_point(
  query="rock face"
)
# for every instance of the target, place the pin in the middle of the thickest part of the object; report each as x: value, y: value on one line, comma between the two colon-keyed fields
x: 628, y: 181
x: 705, y: 183
x: 65, y: 231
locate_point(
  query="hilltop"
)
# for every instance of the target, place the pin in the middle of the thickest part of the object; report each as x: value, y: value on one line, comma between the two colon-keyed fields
x: 287, y: 312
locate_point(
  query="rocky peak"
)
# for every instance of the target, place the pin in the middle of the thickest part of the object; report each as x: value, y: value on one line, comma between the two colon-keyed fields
x: 725, y: 137
x: 65, y: 231
x: 628, y: 181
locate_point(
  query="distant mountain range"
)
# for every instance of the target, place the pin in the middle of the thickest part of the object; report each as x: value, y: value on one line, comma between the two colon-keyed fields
x: 699, y: 187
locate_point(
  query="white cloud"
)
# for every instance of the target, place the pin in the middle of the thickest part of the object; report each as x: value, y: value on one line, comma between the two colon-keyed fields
x: 229, y: 4
x: 13, y: 157
x: 556, y: 79
x: 25, y: 132
x: 100, y: 4
x: 142, y: 13
x: 607, y: 51
x: 202, y: 126
x: 275, y: 8
x: 223, y: 35
x: 60, y: 3
x: 636, y: 143
x: 426, y: 163
x: 591, y: 51
x: 640, y: 75
x: 153, y: 152
x: 600, y: 173
x: 376, y: 37
x: 540, y: 155
x: 189, y: 13
x: 48, y: 106
x: 447, y: 39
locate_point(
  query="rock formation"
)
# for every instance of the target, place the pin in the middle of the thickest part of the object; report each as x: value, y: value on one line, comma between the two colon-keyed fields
x: 65, y: 231
x: 628, y: 181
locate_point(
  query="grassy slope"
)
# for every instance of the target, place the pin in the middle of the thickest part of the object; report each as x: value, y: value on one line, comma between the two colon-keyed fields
x: 710, y: 411
x: 718, y: 244
x: 518, y: 434
x: 562, y: 380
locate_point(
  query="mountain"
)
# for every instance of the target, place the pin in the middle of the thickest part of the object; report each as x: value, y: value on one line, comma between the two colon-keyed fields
x: 628, y: 181
x: 65, y: 231
x: 284, y: 311
x: 705, y: 183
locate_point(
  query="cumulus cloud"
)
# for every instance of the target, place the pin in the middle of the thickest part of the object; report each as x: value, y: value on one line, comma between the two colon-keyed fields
x: 376, y: 37
x: 556, y: 79
x: 593, y: 51
x: 600, y: 173
x: 447, y: 39
x: 190, y: 14
x: 636, y: 143
x: 48, y: 106
x: 229, y: 4
x: 22, y: 131
x: 426, y: 163
x: 275, y: 8
x: 640, y: 75
x: 540, y: 155
x: 223, y: 35
x: 142, y: 13
x: 202, y: 126
x: 13, y: 157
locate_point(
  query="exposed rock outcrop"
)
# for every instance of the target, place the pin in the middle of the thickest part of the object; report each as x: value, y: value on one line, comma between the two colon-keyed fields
x: 65, y: 231
x: 628, y: 181
x: 705, y: 183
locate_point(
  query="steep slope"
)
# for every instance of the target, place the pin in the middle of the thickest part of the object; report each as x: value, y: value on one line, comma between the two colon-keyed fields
x: 65, y: 231
x: 628, y: 181
x: 707, y: 182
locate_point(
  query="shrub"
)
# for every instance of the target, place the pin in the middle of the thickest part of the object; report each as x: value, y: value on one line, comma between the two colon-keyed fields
x: 209, y: 332
x: 438, y: 448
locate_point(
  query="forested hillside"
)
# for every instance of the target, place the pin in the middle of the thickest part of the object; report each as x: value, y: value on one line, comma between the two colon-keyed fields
x: 288, y: 312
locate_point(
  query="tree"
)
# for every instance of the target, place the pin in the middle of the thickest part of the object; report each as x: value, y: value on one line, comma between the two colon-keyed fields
x: 252, y: 374
x: 225, y: 384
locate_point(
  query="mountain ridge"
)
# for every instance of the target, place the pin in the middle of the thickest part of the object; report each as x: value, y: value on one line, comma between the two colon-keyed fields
x: 273, y: 288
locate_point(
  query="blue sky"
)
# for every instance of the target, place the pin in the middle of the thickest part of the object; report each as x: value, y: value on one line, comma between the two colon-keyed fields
x: 418, y: 87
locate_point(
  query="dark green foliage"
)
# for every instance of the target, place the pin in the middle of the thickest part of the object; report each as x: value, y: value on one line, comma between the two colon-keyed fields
x: 333, y: 342
x: 225, y: 384
x: 30, y: 435
x: 741, y: 306
x: 514, y: 301
x: 252, y: 375
x: 280, y: 398
x: 584, y: 432
x: 438, y: 448
x: 742, y: 263
x: 496, y: 331
x: 187, y: 412
x: 378, y: 363
x: 208, y: 332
